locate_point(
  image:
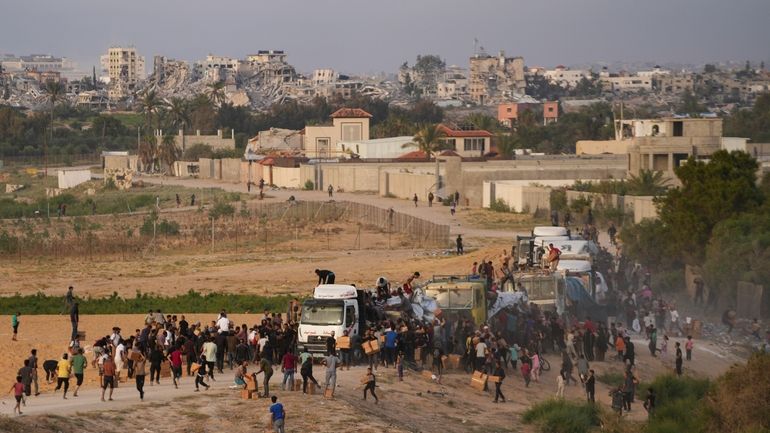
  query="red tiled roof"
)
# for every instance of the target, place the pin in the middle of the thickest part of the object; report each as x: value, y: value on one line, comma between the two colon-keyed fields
x: 449, y: 152
x: 459, y: 133
x: 415, y: 154
x: 350, y: 112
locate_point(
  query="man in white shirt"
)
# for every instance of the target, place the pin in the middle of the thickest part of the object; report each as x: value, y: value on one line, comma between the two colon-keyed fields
x: 223, y: 323
x: 120, y: 358
x: 116, y: 337
x: 210, y: 351
x: 481, y: 355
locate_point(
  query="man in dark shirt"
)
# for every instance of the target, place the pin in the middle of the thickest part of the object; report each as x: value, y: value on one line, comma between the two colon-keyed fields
x: 325, y: 276
x: 74, y: 318
x: 649, y: 402
x: 591, y: 386
x: 331, y: 345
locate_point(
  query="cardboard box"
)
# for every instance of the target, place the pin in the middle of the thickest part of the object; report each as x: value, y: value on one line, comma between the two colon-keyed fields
x: 311, y: 388
x: 455, y: 362
x: 134, y: 355
x: 343, y: 343
x: 444, y: 361
x: 418, y: 353
x: 255, y: 395
x: 495, y: 379
x: 329, y: 394
x: 479, y: 380
x: 251, y: 384
x: 427, y: 374
x: 371, y: 347
x: 165, y: 370
x: 246, y: 394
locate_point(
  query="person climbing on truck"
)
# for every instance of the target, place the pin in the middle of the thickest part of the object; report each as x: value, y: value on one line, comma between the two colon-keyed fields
x: 325, y: 276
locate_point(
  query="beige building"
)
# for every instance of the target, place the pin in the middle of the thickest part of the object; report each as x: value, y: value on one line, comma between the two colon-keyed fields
x: 348, y: 125
x: 216, y: 142
x: 124, y: 68
x: 661, y: 144
x: 467, y: 143
x: 494, y: 79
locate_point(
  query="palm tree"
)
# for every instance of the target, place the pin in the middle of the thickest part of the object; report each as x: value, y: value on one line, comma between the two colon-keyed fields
x: 179, y: 111
x: 429, y: 140
x: 147, y: 151
x: 483, y: 122
x: 217, y: 92
x: 168, y: 151
x: 150, y: 104
x: 55, y: 91
x: 648, y: 182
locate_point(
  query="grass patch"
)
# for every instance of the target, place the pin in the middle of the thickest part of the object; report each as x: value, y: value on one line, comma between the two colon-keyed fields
x: 611, y: 378
x: 679, y: 404
x: 190, y: 302
x: 561, y: 416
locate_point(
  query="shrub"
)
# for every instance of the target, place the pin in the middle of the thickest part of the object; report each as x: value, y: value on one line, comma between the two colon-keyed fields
x: 221, y: 209
x: 561, y: 416
x: 558, y: 200
x: 309, y: 185
x: 190, y: 302
x: 499, y: 205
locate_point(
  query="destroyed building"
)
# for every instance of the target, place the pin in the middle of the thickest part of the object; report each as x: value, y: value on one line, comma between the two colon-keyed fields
x: 495, y: 78
x: 125, y: 69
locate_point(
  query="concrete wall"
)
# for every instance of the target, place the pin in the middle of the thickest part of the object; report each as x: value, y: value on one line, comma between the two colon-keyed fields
x: 186, y: 168
x: 644, y: 207
x: 406, y: 185
x: 468, y: 178
x: 206, y: 168
x: 598, y: 147
x: 286, y: 177
x: 217, y: 142
x: 120, y: 161
x: 231, y: 169
x: 351, y: 177
x: 72, y: 178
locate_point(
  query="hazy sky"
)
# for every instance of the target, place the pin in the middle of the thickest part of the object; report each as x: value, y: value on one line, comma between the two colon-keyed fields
x: 371, y: 36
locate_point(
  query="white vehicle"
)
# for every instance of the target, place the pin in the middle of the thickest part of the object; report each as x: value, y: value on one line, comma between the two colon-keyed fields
x: 333, y: 308
x: 550, y: 231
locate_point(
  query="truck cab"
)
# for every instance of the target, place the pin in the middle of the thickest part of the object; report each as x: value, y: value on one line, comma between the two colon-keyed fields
x: 459, y: 297
x: 333, y: 308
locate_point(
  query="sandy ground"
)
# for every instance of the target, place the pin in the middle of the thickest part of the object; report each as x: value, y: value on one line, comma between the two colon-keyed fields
x: 251, y: 272
x: 416, y: 404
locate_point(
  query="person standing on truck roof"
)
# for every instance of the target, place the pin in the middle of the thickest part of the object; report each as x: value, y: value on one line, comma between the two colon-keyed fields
x: 325, y: 276
x: 553, y: 256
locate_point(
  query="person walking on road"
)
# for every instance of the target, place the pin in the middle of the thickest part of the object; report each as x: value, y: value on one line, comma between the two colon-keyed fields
x: 414, y: 199
x: 201, y: 373
x: 332, y: 363
x: 33, y: 366
x: 331, y: 191
x: 430, y: 199
x: 18, y: 393
x: 108, y: 375
x: 306, y: 370
x: 459, y: 242
x: 277, y: 415
x: 64, y: 370
x: 79, y: 363
x: 267, y: 368
x: 500, y: 373
x: 140, y: 371
x: 371, y: 383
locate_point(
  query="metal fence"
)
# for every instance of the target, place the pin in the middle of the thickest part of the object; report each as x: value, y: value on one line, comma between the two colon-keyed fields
x: 53, y: 160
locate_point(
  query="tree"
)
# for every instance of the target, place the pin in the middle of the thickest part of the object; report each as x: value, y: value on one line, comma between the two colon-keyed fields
x: 197, y: 151
x: 507, y: 144
x: 483, y: 121
x: 216, y: 93
x: 710, y: 193
x: 690, y: 104
x: 203, y: 116
x: 647, y: 242
x: 168, y: 152
x: 648, y: 182
x: 753, y: 124
x: 429, y: 140
x: 147, y: 151
x: 179, y: 112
